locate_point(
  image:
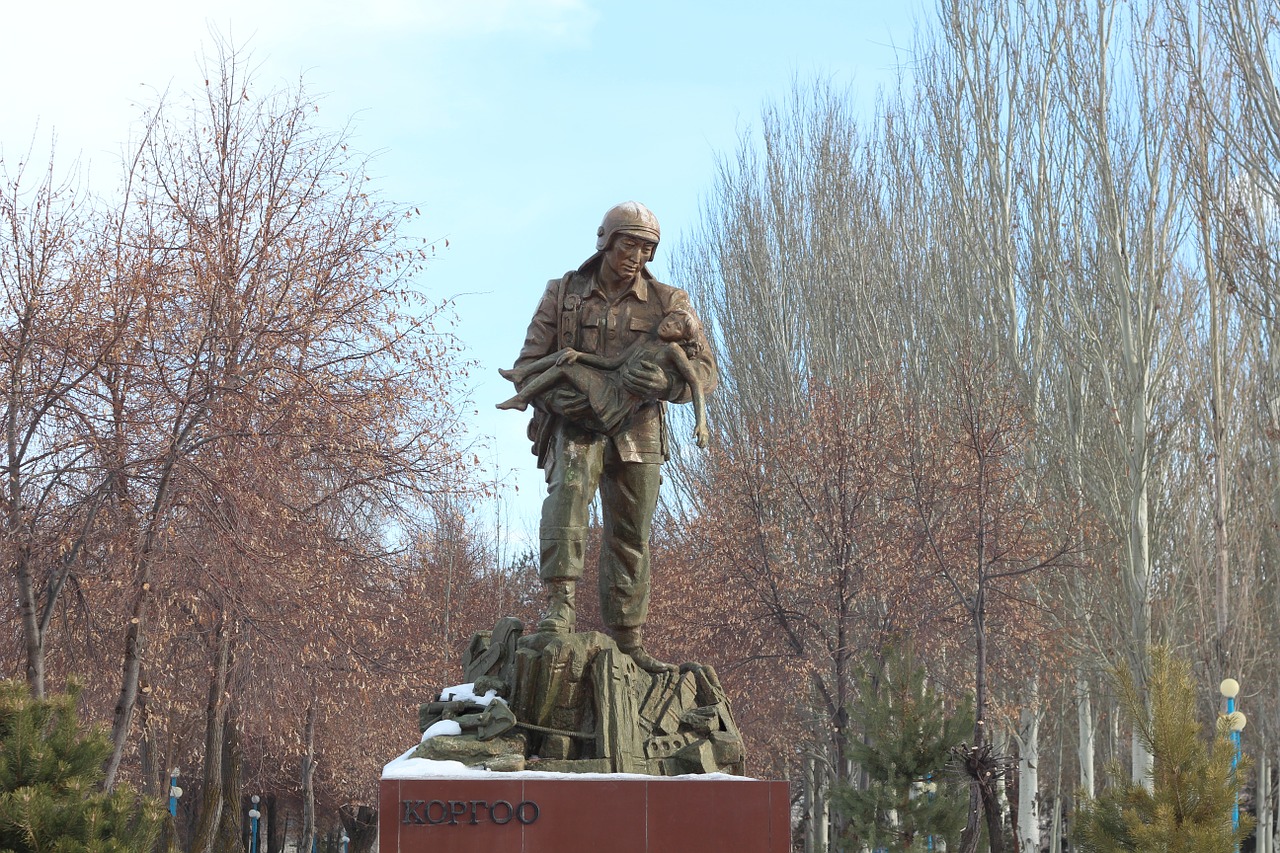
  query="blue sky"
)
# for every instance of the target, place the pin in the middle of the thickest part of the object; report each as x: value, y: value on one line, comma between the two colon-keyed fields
x: 511, y: 124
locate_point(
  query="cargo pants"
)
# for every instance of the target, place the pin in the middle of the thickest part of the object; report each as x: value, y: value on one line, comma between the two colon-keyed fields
x: 580, y: 462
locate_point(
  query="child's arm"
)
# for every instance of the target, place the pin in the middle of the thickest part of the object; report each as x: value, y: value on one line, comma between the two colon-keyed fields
x: 591, y: 360
x: 599, y: 361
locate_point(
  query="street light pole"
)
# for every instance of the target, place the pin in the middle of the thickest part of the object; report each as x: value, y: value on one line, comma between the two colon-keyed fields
x: 930, y: 788
x: 254, y: 814
x: 1230, y: 688
x: 174, y: 792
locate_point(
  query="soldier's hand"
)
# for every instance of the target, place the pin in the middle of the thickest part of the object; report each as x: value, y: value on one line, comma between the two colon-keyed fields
x: 571, y: 405
x: 643, y: 378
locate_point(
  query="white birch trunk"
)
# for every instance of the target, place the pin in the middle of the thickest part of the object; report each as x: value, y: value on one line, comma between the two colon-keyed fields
x: 822, y: 819
x: 1143, y: 762
x: 1138, y: 583
x: 1126, y: 306
x: 1265, y: 839
x: 1029, y: 774
x: 1270, y: 829
x: 1087, y: 734
x: 1001, y: 747
x: 1115, y: 743
x: 810, y: 802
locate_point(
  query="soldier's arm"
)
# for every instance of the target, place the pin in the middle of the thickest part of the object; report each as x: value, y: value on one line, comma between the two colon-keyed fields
x: 540, y: 339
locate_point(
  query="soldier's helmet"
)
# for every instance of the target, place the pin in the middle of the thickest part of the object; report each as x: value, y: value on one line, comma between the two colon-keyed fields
x: 630, y: 217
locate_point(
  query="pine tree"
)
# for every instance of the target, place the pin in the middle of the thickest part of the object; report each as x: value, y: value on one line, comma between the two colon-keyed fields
x: 49, y: 773
x: 1193, y: 786
x: 913, y: 789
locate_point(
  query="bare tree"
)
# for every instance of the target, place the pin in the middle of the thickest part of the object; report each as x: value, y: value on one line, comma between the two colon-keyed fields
x: 983, y: 536
x: 52, y: 341
x: 282, y: 374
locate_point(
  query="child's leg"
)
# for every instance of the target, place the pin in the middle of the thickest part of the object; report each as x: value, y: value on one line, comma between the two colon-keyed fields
x: 520, y: 374
x: 535, y: 386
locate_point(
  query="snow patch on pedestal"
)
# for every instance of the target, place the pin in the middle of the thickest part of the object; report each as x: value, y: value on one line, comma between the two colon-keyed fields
x: 408, y: 767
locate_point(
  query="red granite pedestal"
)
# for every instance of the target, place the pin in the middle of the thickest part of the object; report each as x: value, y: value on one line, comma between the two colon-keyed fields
x: 593, y: 814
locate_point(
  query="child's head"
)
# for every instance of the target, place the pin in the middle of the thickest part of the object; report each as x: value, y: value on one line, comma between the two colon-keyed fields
x: 679, y: 325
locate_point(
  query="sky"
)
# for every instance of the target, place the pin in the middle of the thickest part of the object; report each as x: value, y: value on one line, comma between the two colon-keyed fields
x: 512, y: 125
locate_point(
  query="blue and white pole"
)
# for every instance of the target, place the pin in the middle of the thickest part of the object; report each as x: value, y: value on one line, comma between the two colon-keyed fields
x: 254, y: 814
x: 1230, y: 688
x: 931, y: 788
x: 174, y: 792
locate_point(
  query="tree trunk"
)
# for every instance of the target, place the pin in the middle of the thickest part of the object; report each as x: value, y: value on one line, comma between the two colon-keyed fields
x: 1029, y: 773
x: 822, y: 816
x: 134, y: 635
x: 275, y: 836
x: 991, y: 807
x: 1143, y: 761
x: 122, y: 720
x: 981, y: 765
x: 810, y: 802
x: 211, y: 790
x: 1009, y: 792
x: 361, y: 825
x: 1262, y: 798
x: 234, y: 804
x: 1059, y: 801
x: 151, y: 775
x: 1138, y: 577
x: 35, y: 618
x: 1055, y: 828
x: 1086, y: 732
x: 30, y: 624
x: 972, y: 833
x: 308, y: 781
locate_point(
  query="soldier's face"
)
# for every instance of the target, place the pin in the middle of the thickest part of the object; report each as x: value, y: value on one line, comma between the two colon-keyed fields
x: 627, y: 255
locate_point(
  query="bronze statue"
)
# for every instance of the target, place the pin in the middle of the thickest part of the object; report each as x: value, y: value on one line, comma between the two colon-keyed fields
x: 599, y: 422
x: 612, y: 405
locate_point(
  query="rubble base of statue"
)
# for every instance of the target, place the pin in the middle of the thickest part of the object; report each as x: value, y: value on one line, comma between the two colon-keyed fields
x: 576, y: 703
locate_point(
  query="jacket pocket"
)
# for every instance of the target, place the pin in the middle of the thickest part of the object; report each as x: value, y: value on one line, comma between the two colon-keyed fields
x: 590, y: 336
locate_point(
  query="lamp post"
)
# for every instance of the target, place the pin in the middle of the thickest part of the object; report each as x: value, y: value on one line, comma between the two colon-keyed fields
x: 254, y: 814
x: 930, y: 788
x: 1230, y: 688
x: 174, y: 792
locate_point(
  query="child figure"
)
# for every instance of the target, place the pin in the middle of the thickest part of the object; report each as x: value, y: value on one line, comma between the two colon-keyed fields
x: 597, y: 379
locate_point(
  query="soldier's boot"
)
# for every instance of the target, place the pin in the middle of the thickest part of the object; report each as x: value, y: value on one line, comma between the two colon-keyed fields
x: 561, y: 612
x: 631, y: 642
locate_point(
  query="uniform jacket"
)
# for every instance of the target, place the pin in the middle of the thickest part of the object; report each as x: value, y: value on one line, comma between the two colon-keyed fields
x: 575, y: 312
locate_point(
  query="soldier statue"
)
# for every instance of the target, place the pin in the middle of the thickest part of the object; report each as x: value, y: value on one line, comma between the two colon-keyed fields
x: 601, y: 312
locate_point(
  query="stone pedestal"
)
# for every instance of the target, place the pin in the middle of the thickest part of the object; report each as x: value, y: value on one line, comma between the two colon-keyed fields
x: 521, y: 813
x: 561, y: 743
x: 576, y: 703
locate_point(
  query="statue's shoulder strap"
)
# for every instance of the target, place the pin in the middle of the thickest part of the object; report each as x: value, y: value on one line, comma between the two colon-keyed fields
x: 570, y: 291
x: 542, y: 424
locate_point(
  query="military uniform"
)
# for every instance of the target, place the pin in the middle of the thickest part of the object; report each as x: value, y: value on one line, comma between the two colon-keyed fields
x: 576, y: 312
